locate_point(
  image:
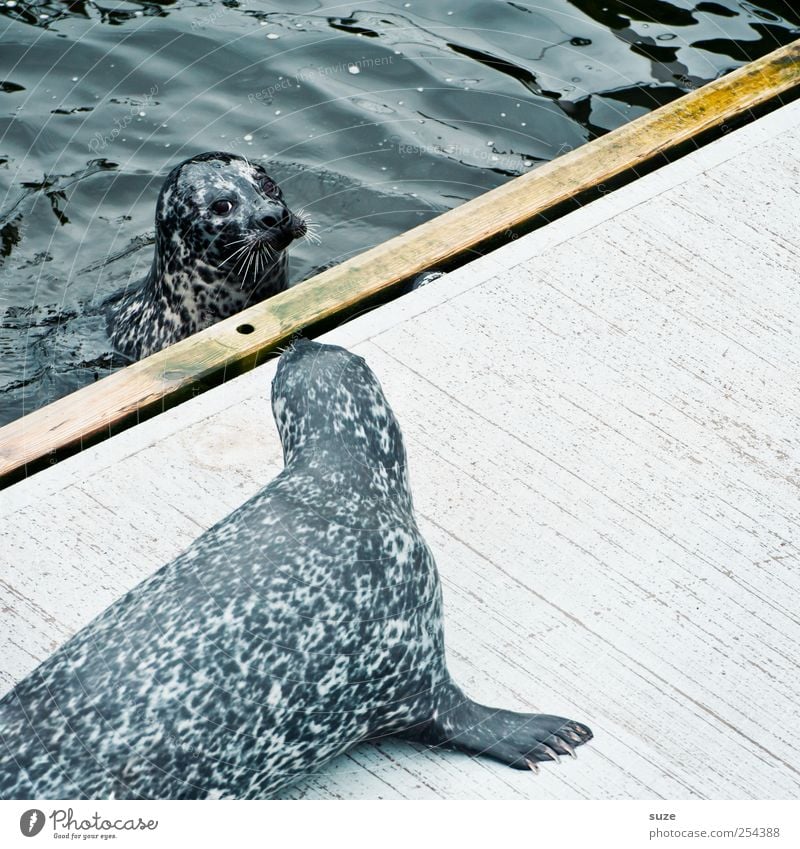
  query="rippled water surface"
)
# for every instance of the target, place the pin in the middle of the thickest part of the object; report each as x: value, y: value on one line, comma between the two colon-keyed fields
x: 374, y: 116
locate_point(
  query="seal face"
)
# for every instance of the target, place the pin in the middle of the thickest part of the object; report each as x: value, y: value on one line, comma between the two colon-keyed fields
x: 308, y: 620
x: 222, y: 229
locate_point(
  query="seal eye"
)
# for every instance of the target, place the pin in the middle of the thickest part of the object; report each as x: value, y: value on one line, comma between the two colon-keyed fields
x: 222, y: 207
x: 269, y: 187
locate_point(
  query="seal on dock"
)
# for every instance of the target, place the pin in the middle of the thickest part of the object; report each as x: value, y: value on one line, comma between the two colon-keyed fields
x: 307, y: 621
x: 222, y: 229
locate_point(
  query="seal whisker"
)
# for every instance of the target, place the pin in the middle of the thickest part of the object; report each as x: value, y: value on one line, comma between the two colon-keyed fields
x: 237, y: 252
x: 269, y: 257
x: 252, y: 257
x: 259, y: 258
x: 312, y: 237
x: 243, y: 262
x: 256, y: 261
x: 243, y: 247
x: 249, y: 237
x: 311, y: 233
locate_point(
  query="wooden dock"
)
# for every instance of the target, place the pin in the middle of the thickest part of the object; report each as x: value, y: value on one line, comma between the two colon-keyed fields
x: 602, y: 428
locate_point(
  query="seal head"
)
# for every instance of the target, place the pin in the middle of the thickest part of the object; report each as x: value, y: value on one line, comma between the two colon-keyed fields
x: 333, y: 419
x: 222, y: 230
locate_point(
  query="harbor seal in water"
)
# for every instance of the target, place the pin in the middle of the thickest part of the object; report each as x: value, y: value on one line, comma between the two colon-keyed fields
x: 222, y: 229
x: 307, y: 621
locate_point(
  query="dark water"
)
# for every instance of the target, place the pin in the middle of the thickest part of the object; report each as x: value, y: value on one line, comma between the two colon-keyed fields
x: 373, y: 116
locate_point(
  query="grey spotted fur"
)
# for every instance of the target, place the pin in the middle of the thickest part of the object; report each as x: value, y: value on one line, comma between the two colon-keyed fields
x: 207, y: 266
x: 308, y: 620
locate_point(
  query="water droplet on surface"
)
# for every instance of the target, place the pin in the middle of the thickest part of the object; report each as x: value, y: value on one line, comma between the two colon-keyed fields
x: 248, y: 137
x: 272, y: 36
x: 353, y: 69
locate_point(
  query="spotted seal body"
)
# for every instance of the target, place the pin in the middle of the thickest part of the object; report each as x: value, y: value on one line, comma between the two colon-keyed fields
x: 222, y: 229
x: 308, y: 620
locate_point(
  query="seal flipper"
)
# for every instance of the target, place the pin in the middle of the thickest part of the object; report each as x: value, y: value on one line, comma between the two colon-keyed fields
x: 516, y: 739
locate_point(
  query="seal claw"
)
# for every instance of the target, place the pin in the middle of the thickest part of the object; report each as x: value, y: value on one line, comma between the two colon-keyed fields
x: 532, y: 765
x: 551, y: 753
x: 570, y: 750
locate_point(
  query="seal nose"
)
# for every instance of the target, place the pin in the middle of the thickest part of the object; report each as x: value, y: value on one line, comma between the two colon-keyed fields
x: 303, y: 342
x: 299, y: 346
x: 275, y: 218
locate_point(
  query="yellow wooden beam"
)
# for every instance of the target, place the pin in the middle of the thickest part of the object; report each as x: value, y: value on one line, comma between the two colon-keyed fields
x: 165, y: 377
